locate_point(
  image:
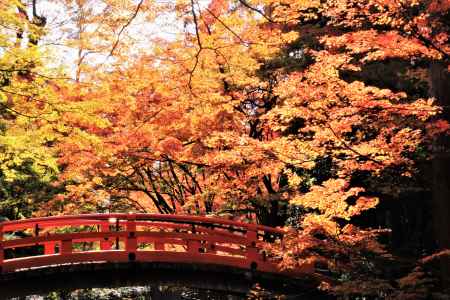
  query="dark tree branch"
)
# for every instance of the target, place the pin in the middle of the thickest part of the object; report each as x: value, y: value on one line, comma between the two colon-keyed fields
x: 133, y: 16
x: 228, y: 28
x: 243, y: 2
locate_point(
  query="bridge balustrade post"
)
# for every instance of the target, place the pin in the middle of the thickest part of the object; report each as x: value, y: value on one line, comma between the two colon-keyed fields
x: 252, y: 252
x: 193, y: 246
x: 159, y: 246
x: 131, y: 241
x: 49, y: 248
x: 66, y: 247
x: 105, y: 244
x: 211, y: 247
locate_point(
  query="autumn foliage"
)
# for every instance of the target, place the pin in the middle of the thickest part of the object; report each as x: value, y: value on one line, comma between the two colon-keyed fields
x: 308, y: 115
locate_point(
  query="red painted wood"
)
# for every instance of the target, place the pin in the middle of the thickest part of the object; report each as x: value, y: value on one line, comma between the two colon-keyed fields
x: 131, y: 242
x: 105, y: 244
x: 175, y: 238
x: 49, y: 247
x: 186, y: 219
x: 76, y: 237
x: 66, y: 247
x: 159, y: 244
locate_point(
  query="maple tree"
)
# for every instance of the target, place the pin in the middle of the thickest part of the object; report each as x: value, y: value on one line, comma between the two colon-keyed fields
x: 373, y: 128
x: 306, y: 114
x: 28, y: 110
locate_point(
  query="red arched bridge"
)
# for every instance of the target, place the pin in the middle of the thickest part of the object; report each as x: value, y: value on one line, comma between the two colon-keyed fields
x: 117, y: 238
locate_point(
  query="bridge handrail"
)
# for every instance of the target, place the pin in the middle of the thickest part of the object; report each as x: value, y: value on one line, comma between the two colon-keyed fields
x: 85, y: 236
x: 199, y: 220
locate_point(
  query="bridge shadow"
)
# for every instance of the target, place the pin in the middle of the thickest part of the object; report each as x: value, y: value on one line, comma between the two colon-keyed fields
x: 227, y: 280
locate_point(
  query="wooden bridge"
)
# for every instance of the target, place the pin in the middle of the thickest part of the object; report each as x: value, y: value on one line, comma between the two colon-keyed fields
x: 117, y: 238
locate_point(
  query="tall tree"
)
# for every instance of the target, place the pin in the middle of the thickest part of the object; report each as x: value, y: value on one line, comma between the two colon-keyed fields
x: 28, y: 109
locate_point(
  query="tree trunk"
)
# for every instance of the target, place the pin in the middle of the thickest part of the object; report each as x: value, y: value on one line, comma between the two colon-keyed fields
x: 440, y: 89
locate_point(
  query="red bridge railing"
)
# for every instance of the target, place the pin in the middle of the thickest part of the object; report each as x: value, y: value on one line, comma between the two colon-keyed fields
x: 134, y: 237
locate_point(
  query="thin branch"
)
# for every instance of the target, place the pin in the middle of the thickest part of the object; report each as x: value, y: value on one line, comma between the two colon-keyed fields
x: 116, y: 43
x: 194, y: 15
x: 346, y: 146
x: 199, y: 42
x: 246, y: 44
x: 243, y: 2
x: 20, y: 113
x: 429, y: 43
